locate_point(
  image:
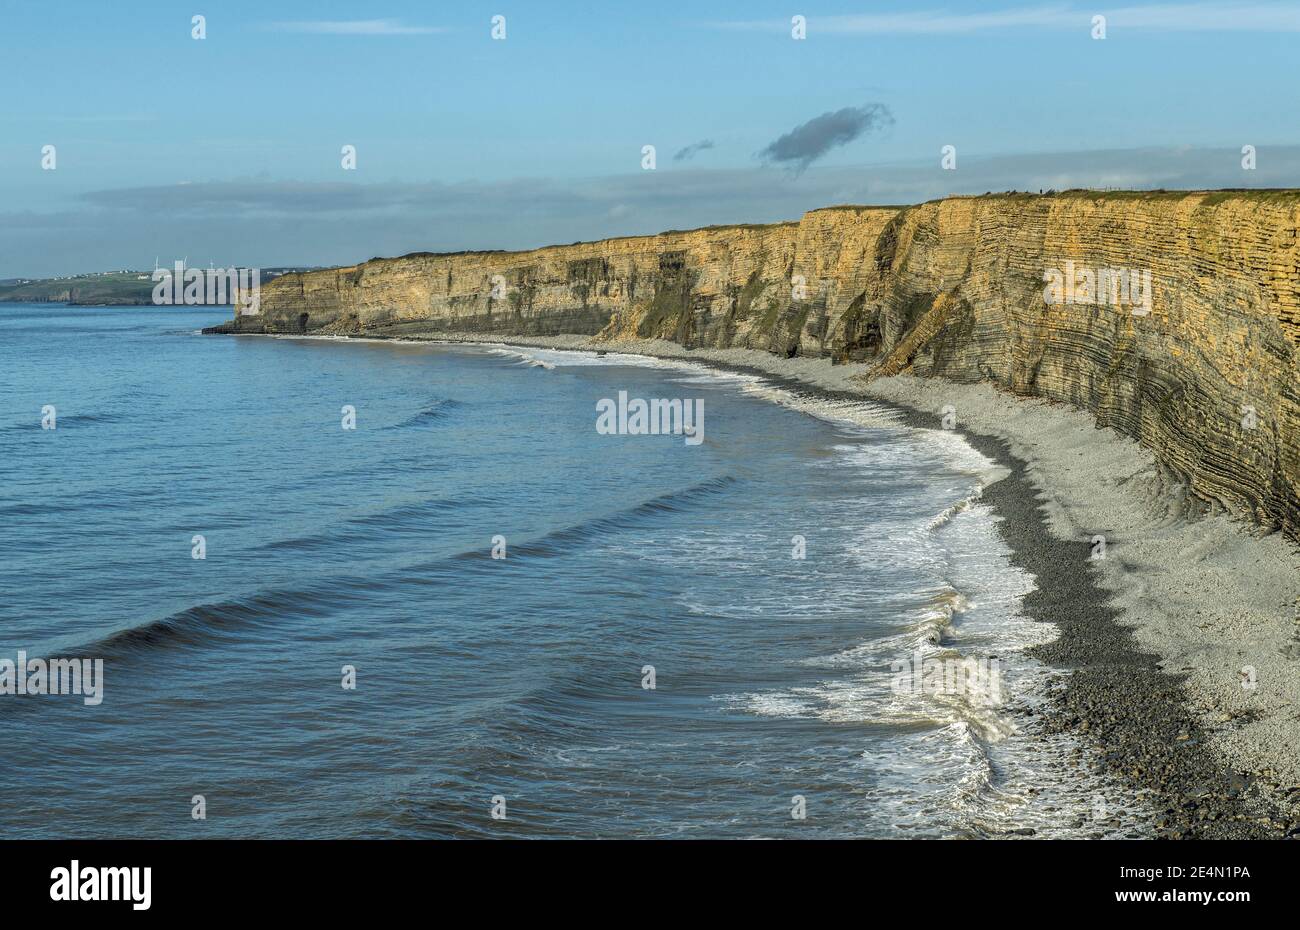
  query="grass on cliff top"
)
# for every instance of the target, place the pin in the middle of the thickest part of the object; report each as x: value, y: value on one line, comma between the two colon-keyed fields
x: 1270, y: 194
x: 1261, y: 194
x: 566, y: 245
x: 862, y: 206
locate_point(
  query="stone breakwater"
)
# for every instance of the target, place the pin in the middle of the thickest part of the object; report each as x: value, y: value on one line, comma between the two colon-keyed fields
x: 1204, y: 373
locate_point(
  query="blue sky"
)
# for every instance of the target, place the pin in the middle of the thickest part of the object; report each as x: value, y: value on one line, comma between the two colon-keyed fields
x: 229, y: 148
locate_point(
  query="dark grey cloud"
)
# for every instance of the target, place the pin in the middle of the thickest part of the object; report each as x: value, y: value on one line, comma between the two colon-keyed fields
x: 809, y: 141
x: 692, y: 150
x: 264, y: 223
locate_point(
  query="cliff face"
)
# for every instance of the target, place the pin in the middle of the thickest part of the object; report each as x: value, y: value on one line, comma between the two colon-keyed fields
x: 1191, y: 347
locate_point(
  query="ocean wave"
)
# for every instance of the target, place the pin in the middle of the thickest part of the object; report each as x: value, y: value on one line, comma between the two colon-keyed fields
x: 39, y: 508
x: 937, y: 616
x: 526, y: 359
x: 203, y: 622
x: 871, y: 698
x: 961, y: 456
x: 64, y: 420
x: 870, y: 692
x: 861, y: 413
x: 961, y: 506
x: 409, y: 516
x: 430, y: 414
x: 567, y: 358
x: 673, y: 502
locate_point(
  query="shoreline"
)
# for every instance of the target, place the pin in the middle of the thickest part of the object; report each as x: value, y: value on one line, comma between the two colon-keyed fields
x: 1142, y: 715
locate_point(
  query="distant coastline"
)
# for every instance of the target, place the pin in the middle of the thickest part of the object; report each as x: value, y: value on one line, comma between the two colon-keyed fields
x: 107, y: 289
x: 125, y: 288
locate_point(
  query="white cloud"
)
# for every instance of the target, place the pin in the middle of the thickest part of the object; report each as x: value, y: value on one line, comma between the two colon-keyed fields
x: 357, y: 27
x: 1173, y: 17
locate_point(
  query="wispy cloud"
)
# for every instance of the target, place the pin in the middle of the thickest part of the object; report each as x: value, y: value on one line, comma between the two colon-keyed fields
x: 103, y: 118
x: 690, y: 151
x: 356, y: 27
x: 1173, y: 17
x: 809, y: 141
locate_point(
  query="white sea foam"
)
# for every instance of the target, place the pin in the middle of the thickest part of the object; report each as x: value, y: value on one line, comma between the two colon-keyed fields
x: 965, y: 752
x: 950, y: 759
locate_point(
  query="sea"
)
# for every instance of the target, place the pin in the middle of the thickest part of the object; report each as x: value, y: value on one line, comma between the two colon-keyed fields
x: 373, y: 589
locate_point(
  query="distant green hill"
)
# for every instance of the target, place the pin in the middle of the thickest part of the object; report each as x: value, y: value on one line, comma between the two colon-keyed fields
x: 112, y: 288
x: 108, y: 289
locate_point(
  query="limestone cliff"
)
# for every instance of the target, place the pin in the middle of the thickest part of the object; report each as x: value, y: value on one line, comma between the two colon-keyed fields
x: 1206, y: 373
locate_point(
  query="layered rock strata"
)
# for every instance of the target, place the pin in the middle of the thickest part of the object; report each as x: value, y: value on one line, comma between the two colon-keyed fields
x: 1171, y: 317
